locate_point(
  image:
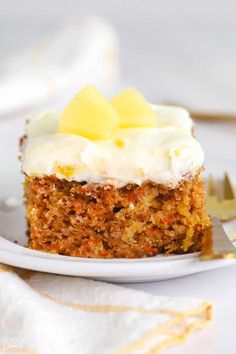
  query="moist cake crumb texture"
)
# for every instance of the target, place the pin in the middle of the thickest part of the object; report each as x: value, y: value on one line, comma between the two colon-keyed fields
x: 78, y: 219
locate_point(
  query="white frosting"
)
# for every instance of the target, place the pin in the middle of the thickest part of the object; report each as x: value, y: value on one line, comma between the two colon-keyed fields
x: 165, y: 154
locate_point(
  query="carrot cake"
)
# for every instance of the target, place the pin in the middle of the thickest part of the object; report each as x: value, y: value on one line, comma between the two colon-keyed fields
x: 114, y: 179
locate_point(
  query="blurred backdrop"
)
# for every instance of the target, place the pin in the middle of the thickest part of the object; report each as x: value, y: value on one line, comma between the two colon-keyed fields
x: 173, y: 50
x: 183, y: 50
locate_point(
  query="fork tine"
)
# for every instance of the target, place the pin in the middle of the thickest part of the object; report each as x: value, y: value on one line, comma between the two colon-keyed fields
x: 228, y: 189
x: 211, y: 186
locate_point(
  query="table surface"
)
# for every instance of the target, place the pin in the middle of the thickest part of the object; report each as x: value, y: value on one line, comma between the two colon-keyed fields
x: 192, y: 62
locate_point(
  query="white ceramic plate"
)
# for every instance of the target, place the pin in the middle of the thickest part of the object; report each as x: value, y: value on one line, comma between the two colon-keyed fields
x: 14, y: 252
x: 12, y: 226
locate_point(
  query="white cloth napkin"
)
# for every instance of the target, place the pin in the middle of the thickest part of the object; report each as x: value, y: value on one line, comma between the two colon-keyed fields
x: 50, y: 314
x: 82, y: 50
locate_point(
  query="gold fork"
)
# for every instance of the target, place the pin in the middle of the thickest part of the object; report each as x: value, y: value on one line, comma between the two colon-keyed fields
x: 218, y: 245
x: 224, y: 209
x: 208, y: 116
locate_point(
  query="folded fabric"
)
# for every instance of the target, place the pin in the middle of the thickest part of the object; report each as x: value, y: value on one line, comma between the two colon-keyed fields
x: 51, y: 314
x: 83, y: 50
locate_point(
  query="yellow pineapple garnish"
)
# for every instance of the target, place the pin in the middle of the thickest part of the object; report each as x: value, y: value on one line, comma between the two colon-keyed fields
x: 67, y: 171
x: 134, y: 109
x: 89, y: 114
x: 120, y: 143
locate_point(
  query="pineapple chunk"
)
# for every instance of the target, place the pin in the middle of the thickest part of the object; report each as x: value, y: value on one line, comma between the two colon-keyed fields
x: 89, y: 114
x: 134, y: 110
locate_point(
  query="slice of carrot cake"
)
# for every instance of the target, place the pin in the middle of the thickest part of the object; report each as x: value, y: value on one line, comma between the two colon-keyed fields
x: 118, y: 178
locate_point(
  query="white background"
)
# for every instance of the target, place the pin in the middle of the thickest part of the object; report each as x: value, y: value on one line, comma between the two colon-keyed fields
x: 170, y: 50
x: 174, y: 49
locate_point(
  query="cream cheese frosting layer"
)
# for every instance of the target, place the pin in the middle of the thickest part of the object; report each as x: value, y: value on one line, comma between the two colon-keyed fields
x: 166, y: 154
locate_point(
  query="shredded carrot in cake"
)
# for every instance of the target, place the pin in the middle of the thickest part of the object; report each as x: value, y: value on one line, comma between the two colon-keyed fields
x: 101, y: 221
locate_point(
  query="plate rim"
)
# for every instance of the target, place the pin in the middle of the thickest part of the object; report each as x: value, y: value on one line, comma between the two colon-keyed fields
x: 137, y: 268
